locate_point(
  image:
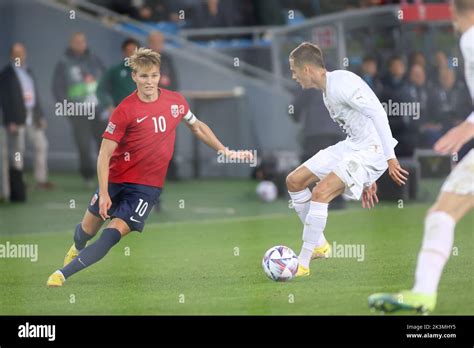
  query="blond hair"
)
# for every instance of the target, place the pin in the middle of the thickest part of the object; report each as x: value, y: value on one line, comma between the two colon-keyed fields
x: 307, y: 53
x: 144, y: 58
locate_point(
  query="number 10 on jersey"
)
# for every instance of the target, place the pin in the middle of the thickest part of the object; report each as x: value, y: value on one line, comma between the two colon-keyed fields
x: 160, y: 124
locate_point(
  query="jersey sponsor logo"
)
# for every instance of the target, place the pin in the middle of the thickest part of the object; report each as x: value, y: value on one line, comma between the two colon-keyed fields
x: 140, y: 120
x: 111, y: 128
x: 94, y: 199
x: 174, y: 110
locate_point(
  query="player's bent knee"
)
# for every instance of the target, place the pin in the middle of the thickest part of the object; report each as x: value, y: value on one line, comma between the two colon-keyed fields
x: 91, y: 224
x: 119, y: 225
x: 293, y: 184
x: 321, y: 193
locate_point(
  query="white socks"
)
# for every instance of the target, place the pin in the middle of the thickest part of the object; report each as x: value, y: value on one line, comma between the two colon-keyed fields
x: 314, y: 225
x: 435, y: 250
x: 301, y: 203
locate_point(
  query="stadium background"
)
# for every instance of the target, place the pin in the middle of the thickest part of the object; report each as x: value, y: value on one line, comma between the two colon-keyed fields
x: 208, y: 239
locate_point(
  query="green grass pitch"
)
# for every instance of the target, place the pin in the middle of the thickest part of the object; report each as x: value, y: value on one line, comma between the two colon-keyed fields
x: 202, y: 255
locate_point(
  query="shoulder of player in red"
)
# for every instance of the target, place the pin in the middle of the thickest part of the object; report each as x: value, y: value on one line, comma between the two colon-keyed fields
x: 131, y: 107
x: 166, y: 97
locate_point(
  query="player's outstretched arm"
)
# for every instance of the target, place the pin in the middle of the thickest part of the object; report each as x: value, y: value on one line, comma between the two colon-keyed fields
x: 207, y: 136
x: 107, y: 148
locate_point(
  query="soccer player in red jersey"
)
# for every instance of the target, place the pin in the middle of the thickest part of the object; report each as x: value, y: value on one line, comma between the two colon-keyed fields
x: 136, y: 149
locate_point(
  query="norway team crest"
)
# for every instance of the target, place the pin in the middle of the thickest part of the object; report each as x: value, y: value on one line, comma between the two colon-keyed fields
x: 174, y: 110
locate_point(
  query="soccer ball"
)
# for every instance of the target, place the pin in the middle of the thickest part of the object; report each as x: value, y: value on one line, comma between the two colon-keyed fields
x: 267, y: 191
x: 280, y: 263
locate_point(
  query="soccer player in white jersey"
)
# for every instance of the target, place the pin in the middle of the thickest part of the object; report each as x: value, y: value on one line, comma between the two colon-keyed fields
x: 454, y: 201
x: 351, y: 166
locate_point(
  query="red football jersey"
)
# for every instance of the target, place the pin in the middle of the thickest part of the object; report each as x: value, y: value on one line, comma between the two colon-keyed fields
x: 145, y: 133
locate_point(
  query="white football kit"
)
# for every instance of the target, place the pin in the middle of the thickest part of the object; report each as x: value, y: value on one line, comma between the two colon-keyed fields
x: 362, y: 157
x: 461, y: 179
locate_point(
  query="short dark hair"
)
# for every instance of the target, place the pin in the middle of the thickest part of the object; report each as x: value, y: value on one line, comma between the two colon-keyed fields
x: 394, y: 58
x: 308, y: 52
x: 368, y: 59
x: 463, y: 5
x: 130, y: 41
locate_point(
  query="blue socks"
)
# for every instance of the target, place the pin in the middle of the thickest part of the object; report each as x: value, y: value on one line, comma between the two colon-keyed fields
x: 81, y: 237
x: 93, y: 253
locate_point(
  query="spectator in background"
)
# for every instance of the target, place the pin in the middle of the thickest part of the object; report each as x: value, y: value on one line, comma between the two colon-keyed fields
x: 441, y: 61
x: 394, y: 82
x: 247, y: 11
x: 168, y: 79
x: 155, y: 11
x: 418, y: 58
x: 449, y: 103
x: 23, y: 116
x: 117, y: 82
x: 75, y: 81
x: 417, y: 92
x: 175, y: 8
x: 369, y: 74
x: 268, y: 12
x: 404, y: 127
x: 216, y: 13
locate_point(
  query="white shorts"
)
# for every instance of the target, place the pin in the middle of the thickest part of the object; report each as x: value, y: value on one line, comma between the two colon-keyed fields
x: 356, y: 168
x: 461, y: 180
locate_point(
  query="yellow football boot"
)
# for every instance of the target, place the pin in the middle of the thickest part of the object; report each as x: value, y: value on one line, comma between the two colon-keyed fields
x: 55, y: 280
x: 322, y: 252
x: 302, y: 271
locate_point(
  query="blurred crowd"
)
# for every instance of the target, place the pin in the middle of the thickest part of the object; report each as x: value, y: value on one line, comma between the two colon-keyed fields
x: 434, y: 87
x: 230, y: 13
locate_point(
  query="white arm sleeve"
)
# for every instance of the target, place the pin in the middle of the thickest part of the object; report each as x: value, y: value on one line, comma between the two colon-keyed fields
x: 190, y: 118
x: 470, y: 118
x: 363, y: 99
